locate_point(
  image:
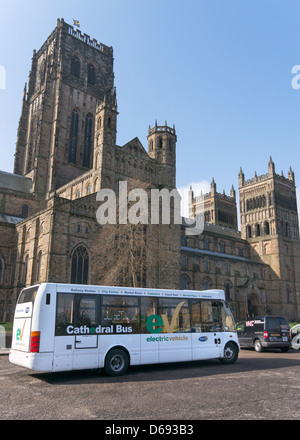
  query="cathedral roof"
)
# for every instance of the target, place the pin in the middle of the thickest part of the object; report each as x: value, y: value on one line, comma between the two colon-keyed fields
x: 10, y: 219
x: 15, y: 182
x: 134, y: 146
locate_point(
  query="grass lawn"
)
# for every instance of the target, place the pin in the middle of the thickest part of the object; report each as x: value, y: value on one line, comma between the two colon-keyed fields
x: 8, y: 326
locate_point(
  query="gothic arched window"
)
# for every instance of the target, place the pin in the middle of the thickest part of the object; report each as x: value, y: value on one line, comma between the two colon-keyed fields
x: 75, y: 67
x: 184, y: 283
x: 26, y: 268
x: 206, y: 285
x: 25, y: 210
x: 248, y: 231
x: 267, y: 228
x: 38, y: 266
x: 73, y: 137
x: 222, y: 247
x: 80, y: 266
x: 257, y: 230
x: 91, y: 74
x: 227, y: 291
x: 1, y: 270
x: 206, y: 265
x: 88, y: 140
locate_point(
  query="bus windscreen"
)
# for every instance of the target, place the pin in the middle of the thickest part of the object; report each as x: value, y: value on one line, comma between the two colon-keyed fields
x: 28, y: 295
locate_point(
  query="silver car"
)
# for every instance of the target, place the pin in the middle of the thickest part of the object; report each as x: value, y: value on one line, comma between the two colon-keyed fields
x: 295, y: 334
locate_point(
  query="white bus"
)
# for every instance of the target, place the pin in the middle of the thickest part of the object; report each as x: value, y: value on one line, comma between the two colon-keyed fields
x: 60, y: 327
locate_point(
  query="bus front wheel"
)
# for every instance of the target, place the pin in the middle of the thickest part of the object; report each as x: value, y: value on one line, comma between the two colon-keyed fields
x: 231, y: 353
x: 116, y: 362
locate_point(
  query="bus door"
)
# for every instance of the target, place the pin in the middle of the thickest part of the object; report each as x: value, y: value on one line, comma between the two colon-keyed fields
x: 22, y: 320
x: 207, y: 336
x: 86, y: 342
x: 76, y: 341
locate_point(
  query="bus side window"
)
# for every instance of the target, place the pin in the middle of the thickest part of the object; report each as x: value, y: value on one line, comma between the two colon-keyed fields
x: 120, y: 310
x: 206, y: 316
x: 176, y: 313
x: 196, y: 316
x: 210, y: 316
x: 87, y: 312
x: 64, y: 313
x: 148, y: 308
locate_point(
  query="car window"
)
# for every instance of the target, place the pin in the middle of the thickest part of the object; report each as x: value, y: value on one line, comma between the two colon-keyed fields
x: 284, y: 325
x: 276, y: 324
x: 240, y: 326
x: 258, y: 327
x: 272, y: 324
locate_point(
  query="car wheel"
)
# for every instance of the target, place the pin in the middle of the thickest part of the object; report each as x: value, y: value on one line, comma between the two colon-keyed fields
x: 116, y: 362
x: 257, y: 345
x: 231, y: 353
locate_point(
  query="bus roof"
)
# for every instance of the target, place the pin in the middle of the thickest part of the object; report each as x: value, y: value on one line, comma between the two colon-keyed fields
x: 111, y: 290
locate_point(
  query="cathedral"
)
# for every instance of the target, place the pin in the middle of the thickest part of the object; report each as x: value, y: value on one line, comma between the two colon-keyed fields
x: 66, y: 152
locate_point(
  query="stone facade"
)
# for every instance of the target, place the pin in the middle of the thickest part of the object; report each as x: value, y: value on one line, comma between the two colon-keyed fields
x: 66, y: 152
x: 258, y: 267
x: 220, y: 258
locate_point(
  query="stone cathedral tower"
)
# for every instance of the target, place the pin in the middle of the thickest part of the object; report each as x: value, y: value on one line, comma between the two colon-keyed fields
x: 66, y: 152
x: 269, y: 221
x: 69, y: 74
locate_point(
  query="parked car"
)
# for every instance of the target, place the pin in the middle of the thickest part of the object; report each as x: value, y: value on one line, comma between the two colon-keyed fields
x: 262, y: 332
x: 295, y: 335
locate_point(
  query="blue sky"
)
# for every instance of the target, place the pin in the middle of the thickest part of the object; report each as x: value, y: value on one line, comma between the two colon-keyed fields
x: 219, y: 70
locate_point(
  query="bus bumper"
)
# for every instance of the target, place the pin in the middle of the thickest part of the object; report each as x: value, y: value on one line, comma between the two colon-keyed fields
x: 276, y: 344
x: 33, y: 361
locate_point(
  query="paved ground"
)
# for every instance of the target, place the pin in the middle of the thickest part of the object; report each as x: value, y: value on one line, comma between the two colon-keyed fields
x: 258, y: 386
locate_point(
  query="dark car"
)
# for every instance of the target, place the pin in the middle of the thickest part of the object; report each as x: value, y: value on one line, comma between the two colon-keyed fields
x: 263, y: 332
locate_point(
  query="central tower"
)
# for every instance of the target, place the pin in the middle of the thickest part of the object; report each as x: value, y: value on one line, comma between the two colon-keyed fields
x: 69, y: 74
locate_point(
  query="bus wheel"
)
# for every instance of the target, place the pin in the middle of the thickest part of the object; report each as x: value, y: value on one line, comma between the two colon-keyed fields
x: 231, y: 353
x: 116, y: 362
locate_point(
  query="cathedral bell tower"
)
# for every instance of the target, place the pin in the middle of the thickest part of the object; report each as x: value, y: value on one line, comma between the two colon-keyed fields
x: 162, y: 147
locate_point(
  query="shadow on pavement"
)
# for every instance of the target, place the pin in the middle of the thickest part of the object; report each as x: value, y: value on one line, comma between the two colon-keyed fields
x: 174, y: 371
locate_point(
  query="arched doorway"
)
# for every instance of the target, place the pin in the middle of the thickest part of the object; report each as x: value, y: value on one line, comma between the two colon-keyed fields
x: 253, y: 305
